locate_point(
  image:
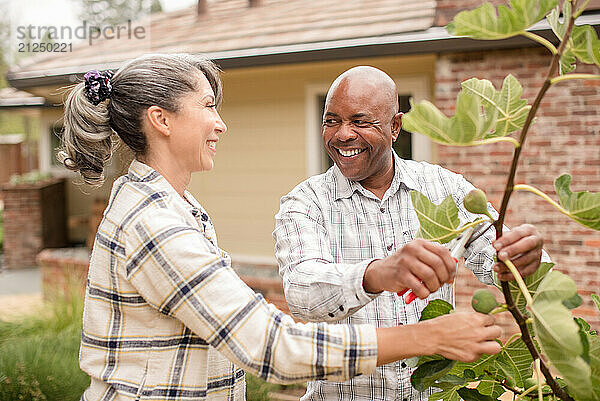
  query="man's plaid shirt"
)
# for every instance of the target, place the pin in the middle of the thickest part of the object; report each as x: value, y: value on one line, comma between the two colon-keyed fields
x: 166, y: 317
x: 329, y: 229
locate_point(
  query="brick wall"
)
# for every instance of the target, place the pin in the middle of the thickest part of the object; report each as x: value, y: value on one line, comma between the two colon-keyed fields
x: 34, y: 218
x: 565, y: 138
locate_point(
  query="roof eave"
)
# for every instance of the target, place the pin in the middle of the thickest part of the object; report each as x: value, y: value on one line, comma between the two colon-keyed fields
x: 433, y: 40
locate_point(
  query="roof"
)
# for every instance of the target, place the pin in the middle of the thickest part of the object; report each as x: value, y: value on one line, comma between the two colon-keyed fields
x: 11, y: 97
x: 231, y: 25
x: 276, y: 32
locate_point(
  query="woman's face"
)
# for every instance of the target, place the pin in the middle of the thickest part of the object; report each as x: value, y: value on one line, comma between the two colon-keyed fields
x: 195, y: 128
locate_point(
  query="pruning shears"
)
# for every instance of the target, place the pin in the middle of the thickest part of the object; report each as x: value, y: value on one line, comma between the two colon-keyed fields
x: 457, y: 249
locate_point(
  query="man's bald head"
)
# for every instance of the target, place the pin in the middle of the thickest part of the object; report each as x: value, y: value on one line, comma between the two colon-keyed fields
x: 360, y: 124
x: 365, y: 79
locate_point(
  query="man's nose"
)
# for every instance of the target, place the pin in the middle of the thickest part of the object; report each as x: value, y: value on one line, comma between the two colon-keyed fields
x: 346, y: 133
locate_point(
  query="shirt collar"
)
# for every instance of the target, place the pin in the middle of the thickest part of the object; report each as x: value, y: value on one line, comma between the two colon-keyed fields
x: 140, y: 172
x: 403, y: 174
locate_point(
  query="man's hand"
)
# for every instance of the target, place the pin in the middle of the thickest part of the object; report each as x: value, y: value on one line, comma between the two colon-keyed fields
x: 420, y: 265
x: 523, y: 246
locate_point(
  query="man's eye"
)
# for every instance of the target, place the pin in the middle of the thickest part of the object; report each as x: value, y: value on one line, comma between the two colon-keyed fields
x: 330, y: 122
x: 362, y: 123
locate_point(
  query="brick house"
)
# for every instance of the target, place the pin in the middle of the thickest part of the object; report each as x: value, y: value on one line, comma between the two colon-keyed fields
x: 279, y: 57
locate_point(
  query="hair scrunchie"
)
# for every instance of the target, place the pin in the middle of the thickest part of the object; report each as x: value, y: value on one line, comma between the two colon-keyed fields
x: 97, y: 86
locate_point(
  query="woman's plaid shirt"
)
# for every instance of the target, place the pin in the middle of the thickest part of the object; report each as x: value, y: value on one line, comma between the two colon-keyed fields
x: 166, y: 317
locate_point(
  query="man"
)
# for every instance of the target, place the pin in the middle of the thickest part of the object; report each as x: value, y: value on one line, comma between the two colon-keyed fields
x: 345, y: 239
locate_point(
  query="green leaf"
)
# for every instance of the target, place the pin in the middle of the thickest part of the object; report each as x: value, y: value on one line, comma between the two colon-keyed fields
x: 449, y: 392
x: 583, y: 207
x: 503, y: 112
x: 426, y: 374
x: 583, y: 44
x: 510, y: 109
x: 438, y: 222
x: 596, y: 300
x: 518, y: 357
x: 573, y: 302
x: 594, y: 341
x: 467, y: 126
x: 435, y: 308
x: 451, y: 379
x: 532, y: 282
x: 484, y: 23
x: 558, y: 334
x: 469, y: 374
x: 583, y: 336
x: 490, y: 386
x: 470, y: 394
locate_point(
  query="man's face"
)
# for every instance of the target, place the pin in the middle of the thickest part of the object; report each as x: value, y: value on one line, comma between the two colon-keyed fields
x: 359, y: 127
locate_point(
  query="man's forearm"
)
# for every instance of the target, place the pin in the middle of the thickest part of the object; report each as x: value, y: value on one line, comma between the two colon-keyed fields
x: 317, y: 291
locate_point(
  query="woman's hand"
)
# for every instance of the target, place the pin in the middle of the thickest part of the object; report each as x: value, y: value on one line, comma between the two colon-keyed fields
x: 464, y: 336
x: 461, y: 336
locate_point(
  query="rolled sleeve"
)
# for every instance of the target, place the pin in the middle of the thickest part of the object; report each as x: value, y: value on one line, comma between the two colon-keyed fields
x: 316, y: 288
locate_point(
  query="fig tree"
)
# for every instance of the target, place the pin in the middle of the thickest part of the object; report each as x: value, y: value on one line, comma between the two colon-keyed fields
x: 476, y: 202
x: 483, y: 301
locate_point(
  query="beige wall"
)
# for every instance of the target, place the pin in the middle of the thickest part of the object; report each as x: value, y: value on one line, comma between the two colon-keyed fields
x: 263, y: 154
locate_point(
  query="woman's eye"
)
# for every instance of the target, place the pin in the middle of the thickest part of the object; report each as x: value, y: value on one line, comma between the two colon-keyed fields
x: 212, y: 105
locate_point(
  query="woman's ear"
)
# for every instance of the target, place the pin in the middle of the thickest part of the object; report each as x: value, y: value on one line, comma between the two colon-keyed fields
x: 158, y: 119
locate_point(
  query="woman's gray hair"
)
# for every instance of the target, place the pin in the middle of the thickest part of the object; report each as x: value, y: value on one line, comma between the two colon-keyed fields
x: 151, y: 80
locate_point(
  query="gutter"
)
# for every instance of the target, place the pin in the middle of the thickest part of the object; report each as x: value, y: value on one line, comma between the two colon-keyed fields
x: 432, y: 40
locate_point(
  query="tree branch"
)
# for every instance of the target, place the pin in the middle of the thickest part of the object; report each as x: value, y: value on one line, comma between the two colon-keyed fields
x: 519, y: 318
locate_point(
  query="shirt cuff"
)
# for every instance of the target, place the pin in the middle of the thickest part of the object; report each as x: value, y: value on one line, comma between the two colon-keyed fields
x: 367, y: 362
x: 353, y: 289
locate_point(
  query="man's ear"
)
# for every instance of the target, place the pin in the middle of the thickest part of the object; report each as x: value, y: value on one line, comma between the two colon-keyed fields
x: 396, y: 125
x: 158, y: 119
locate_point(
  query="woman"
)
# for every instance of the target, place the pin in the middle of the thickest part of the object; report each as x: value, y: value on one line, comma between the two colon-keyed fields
x: 165, y: 316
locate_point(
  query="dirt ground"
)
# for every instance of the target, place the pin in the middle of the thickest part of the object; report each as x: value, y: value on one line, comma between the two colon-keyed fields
x: 15, y: 306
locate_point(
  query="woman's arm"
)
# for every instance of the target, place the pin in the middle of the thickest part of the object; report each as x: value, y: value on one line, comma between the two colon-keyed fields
x: 459, y: 336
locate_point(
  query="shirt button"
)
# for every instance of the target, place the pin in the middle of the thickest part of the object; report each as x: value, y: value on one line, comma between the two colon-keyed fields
x: 331, y: 314
x: 342, y: 308
x: 403, y: 365
x: 382, y: 210
x: 389, y: 247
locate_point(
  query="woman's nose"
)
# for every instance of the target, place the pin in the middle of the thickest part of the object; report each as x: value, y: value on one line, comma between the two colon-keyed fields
x: 220, y: 127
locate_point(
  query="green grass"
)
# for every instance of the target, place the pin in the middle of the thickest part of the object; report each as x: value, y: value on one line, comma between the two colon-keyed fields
x: 39, y: 357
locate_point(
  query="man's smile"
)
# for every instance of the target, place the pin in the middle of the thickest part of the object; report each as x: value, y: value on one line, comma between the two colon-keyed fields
x: 350, y: 152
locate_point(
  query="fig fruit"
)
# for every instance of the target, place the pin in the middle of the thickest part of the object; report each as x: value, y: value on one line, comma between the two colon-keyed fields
x: 476, y: 202
x: 483, y: 301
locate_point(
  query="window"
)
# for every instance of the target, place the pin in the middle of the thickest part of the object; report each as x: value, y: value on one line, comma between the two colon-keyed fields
x: 55, y: 133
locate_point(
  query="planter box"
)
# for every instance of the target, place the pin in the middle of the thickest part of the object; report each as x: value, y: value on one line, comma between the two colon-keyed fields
x: 34, y: 219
